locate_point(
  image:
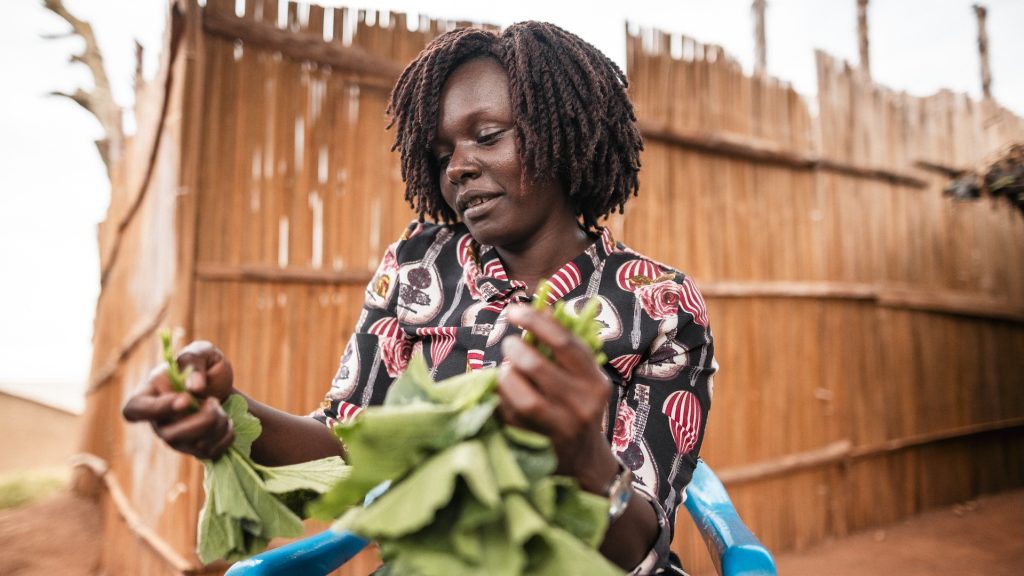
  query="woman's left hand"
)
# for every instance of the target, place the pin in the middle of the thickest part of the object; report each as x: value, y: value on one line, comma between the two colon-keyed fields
x: 564, y: 398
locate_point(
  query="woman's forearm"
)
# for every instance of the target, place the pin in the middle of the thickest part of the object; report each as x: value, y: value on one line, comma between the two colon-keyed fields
x: 290, y: 439
x: 632, y: 535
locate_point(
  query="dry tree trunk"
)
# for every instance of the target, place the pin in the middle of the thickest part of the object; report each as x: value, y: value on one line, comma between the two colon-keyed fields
x: 99, y: 101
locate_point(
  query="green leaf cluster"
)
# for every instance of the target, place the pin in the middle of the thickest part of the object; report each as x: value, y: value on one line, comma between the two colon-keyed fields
x: 247, y: 504
x: 583, y: 325
x: 467, y: 494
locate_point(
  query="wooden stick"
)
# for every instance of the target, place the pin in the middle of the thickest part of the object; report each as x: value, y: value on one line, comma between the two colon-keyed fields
x: 765, y: 151
x: 177, y: 28
x: 890, y: 296
x: 843, y: 451
x: 760, y: 46
x: 965, y: 304
x: 791, y: 463
x: 142, y: 330
x: 944, y: 169
x: 889, y: 446
x: 260, y: 273
x: 100, y: 468
x: 862, y: 37
x: 986, y: 73
x: 832, y: 290
x: 368, y: 68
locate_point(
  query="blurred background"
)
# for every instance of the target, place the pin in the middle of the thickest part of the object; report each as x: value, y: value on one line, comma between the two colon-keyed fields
x: 825, y: 161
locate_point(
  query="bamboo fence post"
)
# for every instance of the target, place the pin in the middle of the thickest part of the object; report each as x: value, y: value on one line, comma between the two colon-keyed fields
x: 760, y: 45
x: 986, y: 73
x: 862, y: 37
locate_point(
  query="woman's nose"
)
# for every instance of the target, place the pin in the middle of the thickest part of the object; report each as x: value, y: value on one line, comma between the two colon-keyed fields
x: 461, y: 166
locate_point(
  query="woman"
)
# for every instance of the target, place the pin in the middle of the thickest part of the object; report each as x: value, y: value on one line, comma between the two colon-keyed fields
x: 516, y: 144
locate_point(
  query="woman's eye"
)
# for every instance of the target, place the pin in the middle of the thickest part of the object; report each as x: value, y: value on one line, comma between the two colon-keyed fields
x: 442, y: 160
x: 489, y: 137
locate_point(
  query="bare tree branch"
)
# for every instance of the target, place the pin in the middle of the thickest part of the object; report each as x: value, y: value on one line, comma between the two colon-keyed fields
x: 139, y: 53
x: 100, y: 101
x: 58, y: 35
x: 80, y: 97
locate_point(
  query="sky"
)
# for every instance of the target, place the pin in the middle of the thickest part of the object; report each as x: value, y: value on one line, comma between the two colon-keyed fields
x: 54, y: 190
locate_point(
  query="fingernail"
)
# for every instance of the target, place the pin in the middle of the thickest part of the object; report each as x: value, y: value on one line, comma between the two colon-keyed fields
x: 509, y: 344
x: 194, y: 381
x: 515, y: 312
x: 180, y: 402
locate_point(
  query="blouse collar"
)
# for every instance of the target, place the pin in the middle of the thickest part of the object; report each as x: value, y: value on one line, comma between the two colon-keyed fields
x: 494, y: 284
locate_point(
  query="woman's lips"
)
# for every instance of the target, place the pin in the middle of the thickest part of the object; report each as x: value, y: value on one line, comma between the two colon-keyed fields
x: 479, y: 207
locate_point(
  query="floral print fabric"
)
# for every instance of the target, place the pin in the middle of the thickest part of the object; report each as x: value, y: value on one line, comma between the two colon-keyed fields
x: 438, y: 292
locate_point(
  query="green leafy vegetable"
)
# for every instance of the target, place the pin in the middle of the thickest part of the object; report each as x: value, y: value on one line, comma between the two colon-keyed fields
x: 174, y: 373
x: 247, y: 504
x: 468, y: 494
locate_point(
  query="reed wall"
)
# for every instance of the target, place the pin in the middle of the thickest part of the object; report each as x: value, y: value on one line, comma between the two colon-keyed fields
x: 868, y: 328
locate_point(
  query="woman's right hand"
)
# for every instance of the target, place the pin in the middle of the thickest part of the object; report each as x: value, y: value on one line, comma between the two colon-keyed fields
x: 205, y: 432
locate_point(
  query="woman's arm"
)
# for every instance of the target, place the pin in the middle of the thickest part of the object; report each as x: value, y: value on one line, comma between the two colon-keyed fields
x: 566, y: 399
x: 290, y: 439
x: 207, y: 432
x: 286, y: 438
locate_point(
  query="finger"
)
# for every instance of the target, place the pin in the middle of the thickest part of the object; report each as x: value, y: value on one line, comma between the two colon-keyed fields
x: 522, y: 404
x: 140, y: 404
x: 139, y: 408
x: 210, y: 371
x: 155, y: 408
x: 196, y: 357
x: 194, y: 427
x: 157, y: 381
x: 216, y: 433
x: 567, y: 349
x: 219, y: 439
x: 222, y: 446
x: 544, y: 375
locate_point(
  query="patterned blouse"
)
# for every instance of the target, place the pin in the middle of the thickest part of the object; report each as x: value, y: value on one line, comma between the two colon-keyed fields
x: 440, y: 293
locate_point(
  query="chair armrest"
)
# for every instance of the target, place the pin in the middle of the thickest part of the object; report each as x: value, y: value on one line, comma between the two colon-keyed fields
x: 314, y: 555
x: 733, y: 547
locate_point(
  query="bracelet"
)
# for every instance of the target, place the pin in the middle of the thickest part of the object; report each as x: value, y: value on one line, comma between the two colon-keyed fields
x: 619, y: 492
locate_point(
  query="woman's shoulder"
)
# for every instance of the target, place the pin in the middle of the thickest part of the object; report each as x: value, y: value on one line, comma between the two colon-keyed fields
x: 633, y: 269
x: 421, y: 238
x: 661, y: 290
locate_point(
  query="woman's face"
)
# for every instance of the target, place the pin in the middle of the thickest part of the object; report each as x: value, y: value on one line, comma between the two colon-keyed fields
x: 481, y: 171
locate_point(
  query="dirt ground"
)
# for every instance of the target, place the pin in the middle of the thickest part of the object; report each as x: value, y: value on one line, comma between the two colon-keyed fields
x: 983, y: 537
x: 55, y: 536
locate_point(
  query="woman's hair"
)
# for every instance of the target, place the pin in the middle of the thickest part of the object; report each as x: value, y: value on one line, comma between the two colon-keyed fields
x: 573, y: 119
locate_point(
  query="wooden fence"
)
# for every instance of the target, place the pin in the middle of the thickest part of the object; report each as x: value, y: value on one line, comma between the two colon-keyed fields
x: 869, y: 329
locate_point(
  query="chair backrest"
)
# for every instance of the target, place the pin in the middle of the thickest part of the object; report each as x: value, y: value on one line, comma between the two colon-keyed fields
x: 733, y: 547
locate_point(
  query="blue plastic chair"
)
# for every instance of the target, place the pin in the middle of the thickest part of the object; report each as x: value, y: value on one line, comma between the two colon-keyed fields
x: 734, y: 548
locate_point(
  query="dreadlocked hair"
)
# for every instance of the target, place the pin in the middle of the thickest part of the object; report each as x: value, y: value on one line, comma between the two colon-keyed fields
x: 572, y: 117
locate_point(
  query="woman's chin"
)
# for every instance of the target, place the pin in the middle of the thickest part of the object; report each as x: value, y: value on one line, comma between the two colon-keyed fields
x: 485, y: 232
